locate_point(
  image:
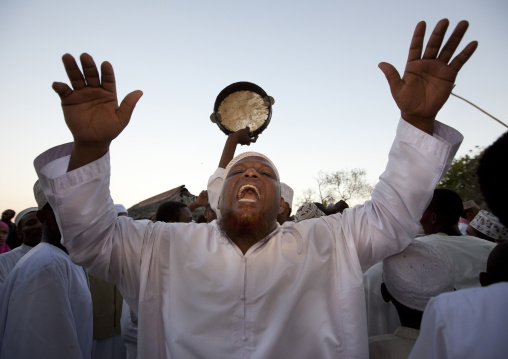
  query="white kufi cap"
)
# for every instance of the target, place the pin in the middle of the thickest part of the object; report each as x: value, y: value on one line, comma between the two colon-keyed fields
x: 245, y: 155
x: 23, y: 213
x: 120, y: 208
x: 489, y: 225
x: 308, y: 211
x: 287, y: 193
x: 417, y: 274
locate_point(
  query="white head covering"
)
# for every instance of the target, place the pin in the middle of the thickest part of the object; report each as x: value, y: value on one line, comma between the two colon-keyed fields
x: 308, y: 211
x: 469, y: 204
x: 120, y: 208
x: 417, y: 274
x: 23, y: 213
x: 248, y: 154
x: 489, y: 225
x: 287, y: 193
x: 40, y: 197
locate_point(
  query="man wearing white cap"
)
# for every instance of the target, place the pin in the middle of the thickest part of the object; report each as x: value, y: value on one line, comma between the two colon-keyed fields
x: 246, y: 287
x: 45, y: 303
x: 30, y: 231
x: 470, y: 211
x: 472, y: 323
x: 410, y: 279
x: 467, y: 254
x: 487, y: 226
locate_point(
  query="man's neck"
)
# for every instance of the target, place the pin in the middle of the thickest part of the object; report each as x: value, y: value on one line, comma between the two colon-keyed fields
x: 246, y: 233
x: 54, y: 242
x: 449, y: 230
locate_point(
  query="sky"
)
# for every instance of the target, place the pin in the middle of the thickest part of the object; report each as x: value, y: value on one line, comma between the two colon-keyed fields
x: 333, y: 109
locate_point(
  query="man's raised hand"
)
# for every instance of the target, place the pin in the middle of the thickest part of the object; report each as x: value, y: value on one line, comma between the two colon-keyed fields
x: 91, y: 108
x: 428, y: 80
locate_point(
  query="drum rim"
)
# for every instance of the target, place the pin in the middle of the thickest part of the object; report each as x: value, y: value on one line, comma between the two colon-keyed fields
x: 242, y: 86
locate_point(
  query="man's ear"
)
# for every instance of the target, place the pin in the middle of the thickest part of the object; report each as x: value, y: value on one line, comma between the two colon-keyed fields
x: 282, y: 206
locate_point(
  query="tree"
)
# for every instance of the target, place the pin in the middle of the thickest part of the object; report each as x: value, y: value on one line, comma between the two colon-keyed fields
x: 349, y: 184
x: 334, y: 186
x: 326, y: 194
x: 461, y: 178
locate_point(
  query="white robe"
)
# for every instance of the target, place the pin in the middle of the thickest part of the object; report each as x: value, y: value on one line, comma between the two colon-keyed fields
x: 466, y: 324
x: 46, y: 308
x: 8, y: 260
x: 129, y: 325
x: 393, y: 346
x: 468, y: 256
x: 296, y: 294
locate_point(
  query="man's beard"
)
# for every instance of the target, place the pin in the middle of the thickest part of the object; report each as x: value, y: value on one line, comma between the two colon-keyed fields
x: 240, y: 227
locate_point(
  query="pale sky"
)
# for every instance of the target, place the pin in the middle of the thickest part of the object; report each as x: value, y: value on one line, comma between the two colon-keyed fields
x: 333, y: 109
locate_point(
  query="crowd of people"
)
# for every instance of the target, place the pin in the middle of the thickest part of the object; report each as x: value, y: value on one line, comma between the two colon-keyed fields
x: 416, y: 272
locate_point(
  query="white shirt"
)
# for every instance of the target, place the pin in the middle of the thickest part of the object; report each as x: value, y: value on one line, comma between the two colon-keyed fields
x: 468, y: 256
x: 296, y: 294
x: 45, y: 308
x: 469, y: 323
x: 8, y: 260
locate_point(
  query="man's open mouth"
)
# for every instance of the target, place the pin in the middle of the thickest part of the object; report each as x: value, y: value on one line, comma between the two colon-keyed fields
x: 248, y: 193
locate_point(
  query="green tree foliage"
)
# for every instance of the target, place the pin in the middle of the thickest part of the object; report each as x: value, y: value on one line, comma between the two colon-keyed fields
x: 461, y: 177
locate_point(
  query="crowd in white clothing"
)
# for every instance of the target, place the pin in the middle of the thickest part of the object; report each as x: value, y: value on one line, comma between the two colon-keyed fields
x: 394, y: 277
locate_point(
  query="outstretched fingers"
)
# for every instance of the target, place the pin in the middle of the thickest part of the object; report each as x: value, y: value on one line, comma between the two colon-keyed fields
x: 415, y: 49
x: 436, y: 40
x: 464, y: 55
x: 126, y: 108
x: 73, y: 72
x: 108, y: 78
x: 454, y: 41
x: 90, y: 70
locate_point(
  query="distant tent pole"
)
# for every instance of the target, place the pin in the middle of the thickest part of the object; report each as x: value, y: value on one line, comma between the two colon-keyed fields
x: 485, y: 112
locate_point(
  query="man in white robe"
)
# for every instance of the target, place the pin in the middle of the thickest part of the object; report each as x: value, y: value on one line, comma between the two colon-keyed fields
x: 249, y: 287
x: 45, y: 303
x: 467, y: 254
x: 410, y: 279
x: 473, y: 323
x: 30, y: 236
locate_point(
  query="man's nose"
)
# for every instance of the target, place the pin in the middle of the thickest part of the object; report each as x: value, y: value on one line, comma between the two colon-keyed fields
x: 251, y: 172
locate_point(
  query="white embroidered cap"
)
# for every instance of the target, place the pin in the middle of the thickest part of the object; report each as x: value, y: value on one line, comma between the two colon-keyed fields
x: 417, y: 274
x: 308, y: 211
x: 287, y: 193
x: 489, y: 225
x: 469, y: 204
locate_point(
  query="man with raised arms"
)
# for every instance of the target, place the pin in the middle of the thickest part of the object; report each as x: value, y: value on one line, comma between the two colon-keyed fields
x: 247, y: 287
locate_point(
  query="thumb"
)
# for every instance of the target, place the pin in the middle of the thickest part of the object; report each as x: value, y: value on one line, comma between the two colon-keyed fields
x: 63, y: 90
x: 391, y: 74
x: 126, y: 108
